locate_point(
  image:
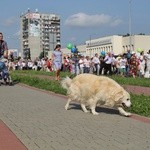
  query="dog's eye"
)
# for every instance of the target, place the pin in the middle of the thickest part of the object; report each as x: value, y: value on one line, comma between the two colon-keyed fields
x: 127, y: 99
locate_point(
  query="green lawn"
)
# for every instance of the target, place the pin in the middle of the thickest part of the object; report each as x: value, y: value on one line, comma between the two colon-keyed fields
x: 141, y: 103
x: 121, y: 80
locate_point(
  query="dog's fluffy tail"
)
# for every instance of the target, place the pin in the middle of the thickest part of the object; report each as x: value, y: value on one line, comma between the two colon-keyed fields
x: 66, y: 82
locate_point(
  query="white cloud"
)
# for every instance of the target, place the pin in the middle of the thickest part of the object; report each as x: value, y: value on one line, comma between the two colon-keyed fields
x: 84, y: 20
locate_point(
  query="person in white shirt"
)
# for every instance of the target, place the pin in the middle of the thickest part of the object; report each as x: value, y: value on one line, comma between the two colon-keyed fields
x: 87, y: 64
x: 30, y: 65
x: 147, y: 57
x: 43, y: 63
x: 123, y: 63
x: 24, y: 66
x: 118, y: 65
x: 108, y: 64
x: 96, y: 63
x: 19, y: 64
x: 39, y: 65
x: 81, y: 64
x: 142, y: 64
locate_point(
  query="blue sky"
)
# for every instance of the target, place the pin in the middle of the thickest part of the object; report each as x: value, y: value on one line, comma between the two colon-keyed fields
x: 80, y: 19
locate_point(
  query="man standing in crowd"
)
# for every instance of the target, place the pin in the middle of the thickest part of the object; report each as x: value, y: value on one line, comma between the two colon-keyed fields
x: 128, y: 57
x: 3, y: 55
x: 108, y: 64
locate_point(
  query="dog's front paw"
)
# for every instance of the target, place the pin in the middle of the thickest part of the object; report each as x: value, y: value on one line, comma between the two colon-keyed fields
x: 95, y: 113
x: 66, y: 107
x: 128, y: 114
x: 86, y: 111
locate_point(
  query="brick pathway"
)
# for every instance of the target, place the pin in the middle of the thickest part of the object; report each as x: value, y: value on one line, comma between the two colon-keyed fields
x: 40, y: 122
x: 137, y: 89
x: 8, y: 140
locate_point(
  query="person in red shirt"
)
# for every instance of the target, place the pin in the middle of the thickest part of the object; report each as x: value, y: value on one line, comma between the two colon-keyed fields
x: 49, y: 64
x: 134, y: 63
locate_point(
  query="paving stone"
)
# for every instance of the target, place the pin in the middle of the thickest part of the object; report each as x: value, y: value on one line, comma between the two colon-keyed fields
x: 40, y: 121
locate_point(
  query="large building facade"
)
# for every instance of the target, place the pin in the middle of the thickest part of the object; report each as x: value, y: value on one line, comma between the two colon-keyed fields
x: 117, y: 44
x: 39, y: 33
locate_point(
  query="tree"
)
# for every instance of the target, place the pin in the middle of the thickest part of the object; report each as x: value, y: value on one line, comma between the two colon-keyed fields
x: 43, y: 54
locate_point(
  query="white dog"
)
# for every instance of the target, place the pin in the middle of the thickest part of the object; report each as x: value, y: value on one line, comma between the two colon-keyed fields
x: 91, y: 90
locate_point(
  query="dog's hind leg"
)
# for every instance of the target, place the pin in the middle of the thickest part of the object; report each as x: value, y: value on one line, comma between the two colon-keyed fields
x: 67, y: 104
x: 123, y: 112
x: 84, y: 108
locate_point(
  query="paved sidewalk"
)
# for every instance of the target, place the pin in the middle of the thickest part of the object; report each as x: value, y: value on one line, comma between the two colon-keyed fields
x: 40, y: 122
x: 8, y: 140
x: 137, y: 89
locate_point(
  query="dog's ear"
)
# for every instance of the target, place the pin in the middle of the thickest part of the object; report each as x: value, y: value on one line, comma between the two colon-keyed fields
x: 119, y: 96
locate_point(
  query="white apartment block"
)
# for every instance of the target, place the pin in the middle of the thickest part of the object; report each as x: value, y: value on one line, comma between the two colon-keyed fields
x: 39, y: 33
x: 117, y: 44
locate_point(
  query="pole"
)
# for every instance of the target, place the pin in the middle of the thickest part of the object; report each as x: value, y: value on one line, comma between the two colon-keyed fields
x: 43, y: 49
x: 90, y: 46
x: 53, y: 40
x: 130, y: 21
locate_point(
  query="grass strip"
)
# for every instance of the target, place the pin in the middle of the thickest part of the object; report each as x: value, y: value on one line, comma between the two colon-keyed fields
x: 145, y: 82
x: 46, y: 84
x: 140, y: 103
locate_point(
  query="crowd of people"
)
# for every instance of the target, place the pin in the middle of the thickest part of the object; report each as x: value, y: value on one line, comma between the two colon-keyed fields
x: 128, y: 64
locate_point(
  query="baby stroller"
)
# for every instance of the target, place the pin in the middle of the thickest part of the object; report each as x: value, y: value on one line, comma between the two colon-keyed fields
x: 5, y: 78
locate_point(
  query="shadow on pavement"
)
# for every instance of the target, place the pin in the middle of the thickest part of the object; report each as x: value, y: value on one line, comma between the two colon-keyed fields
x: 9, y: 84
x: 98, y: 109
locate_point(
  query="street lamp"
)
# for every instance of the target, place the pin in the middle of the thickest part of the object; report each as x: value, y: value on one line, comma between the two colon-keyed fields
x: 43, y: 43
x: 90, y: 46
x: 130, y: 21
